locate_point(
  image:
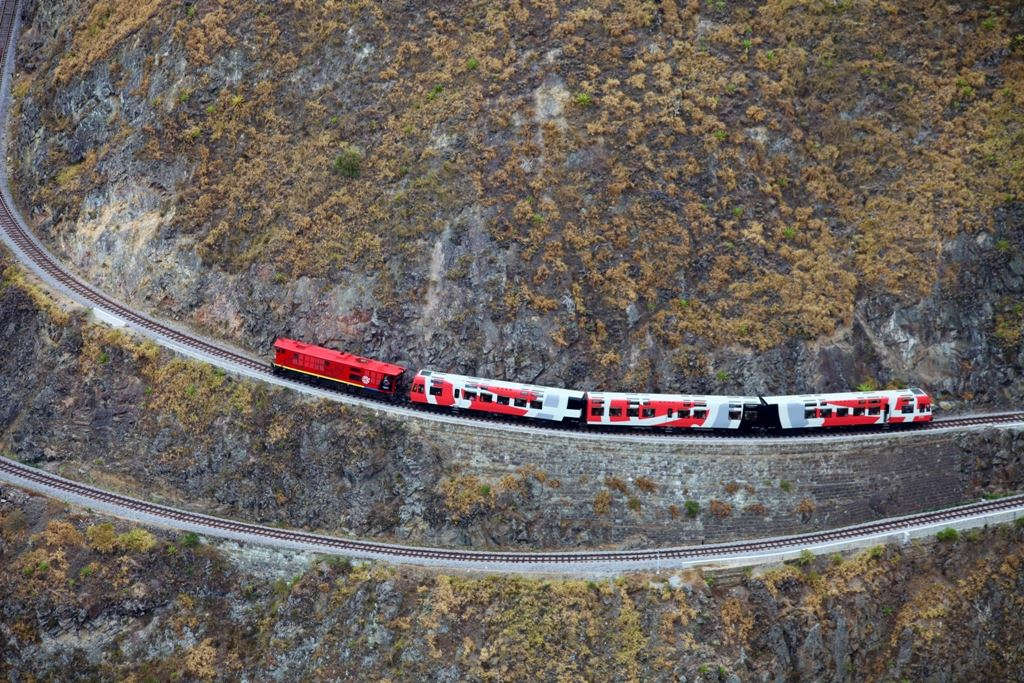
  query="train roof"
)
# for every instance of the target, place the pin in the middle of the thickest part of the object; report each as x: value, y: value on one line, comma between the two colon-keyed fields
x: 340, y: 357
x: 627, y: 396
x: 504, y: 384
x: 848, y: 395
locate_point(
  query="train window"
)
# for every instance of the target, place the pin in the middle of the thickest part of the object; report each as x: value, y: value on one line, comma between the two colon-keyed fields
x: 520, y: 402
x: 648, y: 412
x: 633, y: 411
x: 469, y: 395
x: 486, y: 398
x: 858, y: 411
x: 826, y: 412
x: 841, y: 412
x: 597, y: 411
x: 808, y: 413
x: 615, y: 412
x: 574, y: 402
x: 907, y: 408
x: 536, y: 405
x: 872, y: 411
x: 700, y: 414
x: 354, y: 376
x: 456, y: 393
x: 435, y: 391
x: 417, y: 388
x: 503, y: 400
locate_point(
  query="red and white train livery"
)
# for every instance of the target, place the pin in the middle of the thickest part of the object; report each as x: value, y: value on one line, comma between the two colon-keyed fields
x: 496, y: 396
x: 604, y: 408
x: 895, y: 406
x: 665, y: 410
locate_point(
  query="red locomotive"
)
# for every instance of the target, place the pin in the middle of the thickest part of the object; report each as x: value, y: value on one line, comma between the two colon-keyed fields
x: 331, y: 367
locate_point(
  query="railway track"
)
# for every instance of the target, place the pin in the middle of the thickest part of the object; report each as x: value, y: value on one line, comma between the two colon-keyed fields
x: 36, y: 256
x: 592, y: 561
x: 31, y: 252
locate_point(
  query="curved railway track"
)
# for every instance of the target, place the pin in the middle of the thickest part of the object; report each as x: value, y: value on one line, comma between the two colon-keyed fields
x: 590, y: 561
x: 31, y: 252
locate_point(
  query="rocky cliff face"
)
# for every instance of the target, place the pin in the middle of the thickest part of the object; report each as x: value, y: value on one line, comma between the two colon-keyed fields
x: 98, y: 405
x: 84, y: 598
x: 705, y: 196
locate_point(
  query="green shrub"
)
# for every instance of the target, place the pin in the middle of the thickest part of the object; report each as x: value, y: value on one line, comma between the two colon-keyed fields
x: 1003, y: 245
x: 786, y: 485
x: 633, y: 504
x: 692, y: 508
x: 472, y: 63
x: 867, y: 385
x: 583, y: 99
x: 948, y: 535
x: 347, y: 163
x: 806, y: 557
x: 189, y: 539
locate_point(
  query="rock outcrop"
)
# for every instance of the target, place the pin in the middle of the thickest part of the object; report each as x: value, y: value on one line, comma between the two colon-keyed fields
x: 691, y: 196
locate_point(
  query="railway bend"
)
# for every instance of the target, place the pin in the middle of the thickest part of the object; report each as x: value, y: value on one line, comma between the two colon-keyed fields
x: 587, y: 562
x: 35, y: 257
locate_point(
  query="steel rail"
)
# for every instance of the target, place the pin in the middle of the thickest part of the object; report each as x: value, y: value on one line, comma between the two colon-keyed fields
x: 28, y: 248
x: 31, y: 251
x: 734, y: 553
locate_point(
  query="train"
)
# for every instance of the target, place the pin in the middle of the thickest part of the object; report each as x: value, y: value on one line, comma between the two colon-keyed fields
x: 600, y: 409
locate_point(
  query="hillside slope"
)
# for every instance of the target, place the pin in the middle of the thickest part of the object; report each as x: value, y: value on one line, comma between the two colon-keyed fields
x: 706, y: 195
x: 87, y: 599
x: 102, y: 406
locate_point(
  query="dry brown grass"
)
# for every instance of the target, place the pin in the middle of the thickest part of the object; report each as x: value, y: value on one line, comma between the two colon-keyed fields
x: 720, y: 508
x: 683, y: 193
